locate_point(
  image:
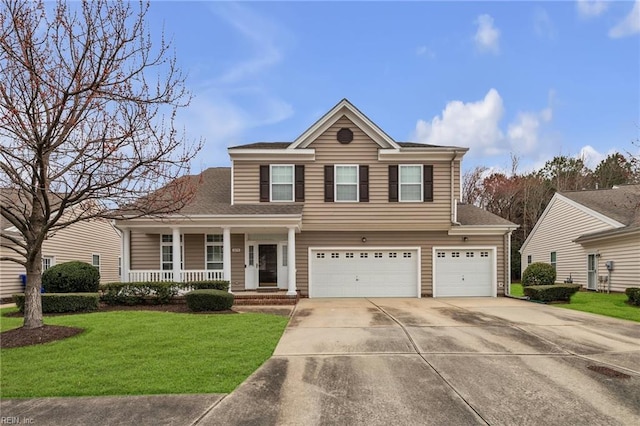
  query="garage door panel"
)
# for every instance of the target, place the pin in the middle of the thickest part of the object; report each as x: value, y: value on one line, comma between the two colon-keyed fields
x: 364, y: 273
x: 463, y: 272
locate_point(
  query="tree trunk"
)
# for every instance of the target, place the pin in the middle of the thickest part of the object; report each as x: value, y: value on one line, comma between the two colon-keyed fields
x: 33, y: 300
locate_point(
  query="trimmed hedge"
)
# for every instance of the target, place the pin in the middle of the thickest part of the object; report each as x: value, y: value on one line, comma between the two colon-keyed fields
x: 71, y: 277
x: 209, y: 300
x: 633, y: 293
x: 551, y: 293
x: 154, y: 292
x: 63, y: 302
x: 538, y: 273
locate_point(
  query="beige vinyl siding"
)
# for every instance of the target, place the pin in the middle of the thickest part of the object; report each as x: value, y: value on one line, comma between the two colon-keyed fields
x: 375, y: 214
x: 625, y: 254
x: 79, y: 241
x: 9, y: 274
x: 562, y: 224
x: 425, y: 240
x: 194, y: 251
x: 145, y: 251
x: 237, y: 262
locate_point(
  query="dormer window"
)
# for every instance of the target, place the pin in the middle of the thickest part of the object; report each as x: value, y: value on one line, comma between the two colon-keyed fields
x: 281, y: 183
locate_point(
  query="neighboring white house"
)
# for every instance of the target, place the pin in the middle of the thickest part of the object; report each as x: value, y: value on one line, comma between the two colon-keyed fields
x: 592, y: 237
x: 93, y: 241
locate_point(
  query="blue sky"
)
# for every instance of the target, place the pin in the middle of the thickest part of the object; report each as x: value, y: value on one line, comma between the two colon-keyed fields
x: 533, y: 79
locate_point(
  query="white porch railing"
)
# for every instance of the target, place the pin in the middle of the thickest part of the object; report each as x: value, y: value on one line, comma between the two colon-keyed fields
x: 186, y: 275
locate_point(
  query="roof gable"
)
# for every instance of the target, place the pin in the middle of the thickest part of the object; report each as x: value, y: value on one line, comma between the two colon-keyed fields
x: 347, y: 109
x: 560, y: 198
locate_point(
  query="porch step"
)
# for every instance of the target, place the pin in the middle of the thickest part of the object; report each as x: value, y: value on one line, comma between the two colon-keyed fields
x: 259, y: 298
x: 273, y: 289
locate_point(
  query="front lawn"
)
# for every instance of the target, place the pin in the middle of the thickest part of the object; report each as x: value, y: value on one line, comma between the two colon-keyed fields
x: 141, y: 352
x: 612, y: 305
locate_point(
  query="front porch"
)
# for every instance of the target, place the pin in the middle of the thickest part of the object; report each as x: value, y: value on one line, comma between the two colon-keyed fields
x: 249, y: 258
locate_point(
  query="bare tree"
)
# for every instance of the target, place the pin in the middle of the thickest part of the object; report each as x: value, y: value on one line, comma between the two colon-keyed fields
x: 472, y: 185
x: 87, y: 123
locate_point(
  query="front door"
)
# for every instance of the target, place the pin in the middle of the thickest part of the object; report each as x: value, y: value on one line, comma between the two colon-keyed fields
x: 268, y: 265
x: 592, y: 272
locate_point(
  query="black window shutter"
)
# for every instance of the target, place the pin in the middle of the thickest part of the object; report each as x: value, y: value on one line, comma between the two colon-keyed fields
x: 264, y: 184
x: 393, y: 183
x: 299, y: 182
x: 428, y: 182
x: 328, y: 184
x: 364, y: 184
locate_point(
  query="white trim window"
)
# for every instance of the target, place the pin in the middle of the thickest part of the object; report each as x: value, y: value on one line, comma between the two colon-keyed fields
x: 47, y: 262
x: 214, y: 251
x: 553, y: 259
x: 166, y: 252
x: 346, y: 183
x: 95, y: 261
x: 282, y: 182
x: 410, y: 181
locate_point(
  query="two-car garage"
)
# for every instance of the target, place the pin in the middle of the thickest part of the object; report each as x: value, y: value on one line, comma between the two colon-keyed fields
x: 396, y: 272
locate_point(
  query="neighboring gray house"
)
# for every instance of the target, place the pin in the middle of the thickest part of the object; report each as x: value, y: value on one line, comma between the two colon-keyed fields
x: 342, y: 211
x: 591, y: 236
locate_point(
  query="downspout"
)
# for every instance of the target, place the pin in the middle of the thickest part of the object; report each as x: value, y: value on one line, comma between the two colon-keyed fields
x: 508, y: 287
x: 454, y: 201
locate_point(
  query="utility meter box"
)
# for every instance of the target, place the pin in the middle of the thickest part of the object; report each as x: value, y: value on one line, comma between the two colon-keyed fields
x: 609, y: 265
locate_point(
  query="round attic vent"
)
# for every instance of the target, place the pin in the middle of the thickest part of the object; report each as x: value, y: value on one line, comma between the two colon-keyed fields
x: 345, y: 135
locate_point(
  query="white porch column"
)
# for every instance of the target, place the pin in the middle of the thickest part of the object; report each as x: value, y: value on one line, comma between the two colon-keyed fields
x: 291, y: 262
x: 126, y: 255
x: 177, y: 254
x: 226, y: 255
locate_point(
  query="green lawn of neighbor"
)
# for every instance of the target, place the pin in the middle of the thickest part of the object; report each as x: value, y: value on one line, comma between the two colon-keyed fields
x: 612, y: 305
x: 140, y: 352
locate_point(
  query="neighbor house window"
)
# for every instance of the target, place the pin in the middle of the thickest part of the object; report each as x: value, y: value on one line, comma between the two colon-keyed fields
x: 529, y: 260
x: 214, y: 251
x: 95, y: 261
x: 553, y: 259
x: 410, y: 181
x: 346, y: 179
x: 281, y: 183
x: 119, y: 266
x: 47, y: 262
x: 166, y: 252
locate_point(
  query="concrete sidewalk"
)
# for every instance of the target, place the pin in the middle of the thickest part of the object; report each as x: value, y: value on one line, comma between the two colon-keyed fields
x: 410, y: 362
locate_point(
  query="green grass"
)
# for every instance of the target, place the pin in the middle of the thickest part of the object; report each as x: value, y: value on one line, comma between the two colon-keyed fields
x: 612, y: 305
x: 516, y: 289
x: 141, y: 352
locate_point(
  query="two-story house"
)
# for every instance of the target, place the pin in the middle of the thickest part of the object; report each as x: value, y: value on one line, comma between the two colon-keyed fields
x: 342, y: 211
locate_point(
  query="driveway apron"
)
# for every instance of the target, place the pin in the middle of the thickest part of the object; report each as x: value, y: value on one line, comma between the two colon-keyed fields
x: 442, y: 361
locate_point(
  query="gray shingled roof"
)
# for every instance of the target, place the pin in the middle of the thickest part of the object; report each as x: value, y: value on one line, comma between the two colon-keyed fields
x: 471, y: 215
x: 621, y: 204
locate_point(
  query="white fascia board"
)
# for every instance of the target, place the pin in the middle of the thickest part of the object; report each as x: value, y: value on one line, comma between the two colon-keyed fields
x: 195, y: 221
x: 344, y: 107
x: 481, y: 230
x: 421, y: 154
x: 271, y: 154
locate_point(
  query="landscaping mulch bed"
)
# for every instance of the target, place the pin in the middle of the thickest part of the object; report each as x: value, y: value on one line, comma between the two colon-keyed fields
x: 26, y: 337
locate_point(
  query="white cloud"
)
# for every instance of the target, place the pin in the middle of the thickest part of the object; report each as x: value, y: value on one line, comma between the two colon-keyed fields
x: 591, y: 8
x: 630, y: 25
x: 523, y: 134
x: 476, y: 125
x: 473, y: 124
x: 542, y: 24
x: 487, y: 38
x: 425, y: 51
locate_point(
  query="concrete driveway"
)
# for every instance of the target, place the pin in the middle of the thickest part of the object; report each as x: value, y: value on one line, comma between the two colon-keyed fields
x: 442, y: 361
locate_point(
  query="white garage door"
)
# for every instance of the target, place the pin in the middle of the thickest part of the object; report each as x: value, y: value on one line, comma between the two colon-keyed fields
x: 363, y: 273
x: 463, y: 272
